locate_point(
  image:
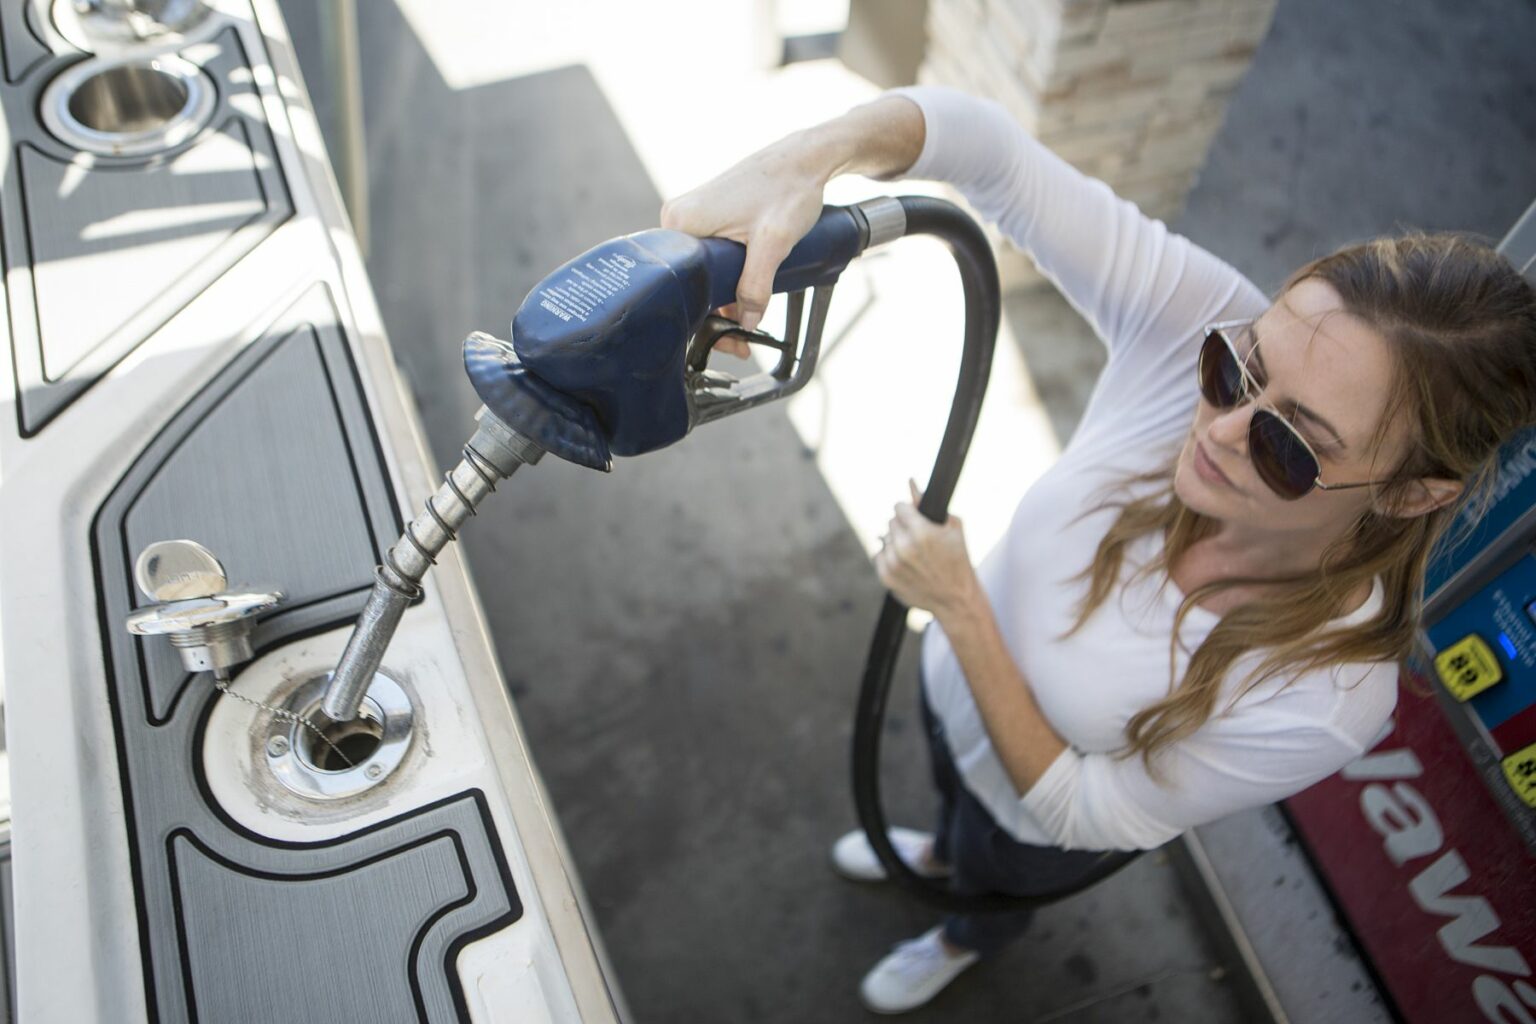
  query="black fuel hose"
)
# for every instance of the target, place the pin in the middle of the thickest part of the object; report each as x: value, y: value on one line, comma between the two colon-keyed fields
x: 983, y: 311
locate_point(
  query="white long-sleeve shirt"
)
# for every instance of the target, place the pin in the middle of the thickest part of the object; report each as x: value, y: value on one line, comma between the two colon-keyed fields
x: 1148, y: 293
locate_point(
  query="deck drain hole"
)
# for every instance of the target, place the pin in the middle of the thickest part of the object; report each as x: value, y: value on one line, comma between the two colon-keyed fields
x: 128, y: 99
x: 129, y: 107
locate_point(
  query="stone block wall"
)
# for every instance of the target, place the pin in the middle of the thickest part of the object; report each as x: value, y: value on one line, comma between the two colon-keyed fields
x: 1130, y: 91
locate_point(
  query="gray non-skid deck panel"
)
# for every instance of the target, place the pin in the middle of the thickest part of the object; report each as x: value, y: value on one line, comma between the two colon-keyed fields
x: 143, y: 237
x: 341, y: 938
x: 276, y: 467
x: 19, y: 42
x: 267, y: 464
x: 75, y: 251
x: 233, y: 970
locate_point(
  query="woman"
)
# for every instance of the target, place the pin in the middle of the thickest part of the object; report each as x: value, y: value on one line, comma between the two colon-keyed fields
x: 1202, y: 606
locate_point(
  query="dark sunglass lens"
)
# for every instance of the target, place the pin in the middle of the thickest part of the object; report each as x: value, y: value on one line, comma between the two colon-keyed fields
x: 1221, y: 379
x: 1279, y: 457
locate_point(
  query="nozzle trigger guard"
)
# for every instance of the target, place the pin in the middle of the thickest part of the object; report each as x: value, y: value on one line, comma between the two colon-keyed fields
x: 716, y: 327
x: 714, y: 394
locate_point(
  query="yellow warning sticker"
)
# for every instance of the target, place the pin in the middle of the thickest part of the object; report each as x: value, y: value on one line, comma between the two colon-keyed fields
x: 1520, y: 770
x: 1468, y: 667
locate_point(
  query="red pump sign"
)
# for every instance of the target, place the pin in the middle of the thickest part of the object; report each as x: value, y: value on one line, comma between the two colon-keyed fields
x: 1437, y: 885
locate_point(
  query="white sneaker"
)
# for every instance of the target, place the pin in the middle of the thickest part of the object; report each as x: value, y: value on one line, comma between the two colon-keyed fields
x: 853, y: 857
x: 912, y: 973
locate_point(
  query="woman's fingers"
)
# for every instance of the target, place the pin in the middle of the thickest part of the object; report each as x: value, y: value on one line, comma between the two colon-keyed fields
x: 909, y: 514
x: 732, y: 345
x: 766, y: 249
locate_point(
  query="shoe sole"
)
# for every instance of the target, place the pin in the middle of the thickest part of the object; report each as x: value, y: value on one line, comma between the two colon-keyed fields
x: 875, y: 879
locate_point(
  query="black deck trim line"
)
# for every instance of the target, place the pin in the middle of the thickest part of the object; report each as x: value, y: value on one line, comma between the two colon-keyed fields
x: 472, y: 893
x: 375, y: 435
x: 271, y: 140
x: 257, y: 363
x: 234, y: 121
x: 350, y: 443
x: 183, y: 950
x: 26, y: 20
x: 135, y: 861
x: 314, y: 332
x: 37, y: 320
x: 305, y: 876
x: 10, y: 307
x: 187, y: 433
x: 273, y: 223
x: 21, y: 75
x: 514, y: 910
x: 31, y: 30
x: 5, y: 53
x: 1387, y: 999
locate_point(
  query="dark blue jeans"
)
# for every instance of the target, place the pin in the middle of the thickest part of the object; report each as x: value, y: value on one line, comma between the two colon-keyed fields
x: 985, y: 859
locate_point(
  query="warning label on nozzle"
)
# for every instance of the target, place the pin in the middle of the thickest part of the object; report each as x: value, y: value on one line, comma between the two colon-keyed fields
x: 586, y: 286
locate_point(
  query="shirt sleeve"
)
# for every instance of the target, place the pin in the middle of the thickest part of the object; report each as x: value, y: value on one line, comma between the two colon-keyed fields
x: 1240, y: 760
x: 1126, y: 273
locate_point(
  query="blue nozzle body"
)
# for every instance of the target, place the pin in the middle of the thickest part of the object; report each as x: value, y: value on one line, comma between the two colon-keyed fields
x: 611, y: 327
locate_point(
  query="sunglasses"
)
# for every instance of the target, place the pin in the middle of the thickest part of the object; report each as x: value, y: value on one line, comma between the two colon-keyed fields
x: 1281, y: 456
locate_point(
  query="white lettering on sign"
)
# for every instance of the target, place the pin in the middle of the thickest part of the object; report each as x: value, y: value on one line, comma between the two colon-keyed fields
x: 1501, y: 1003
x: 1389, y: 764
x: 1411, y: 830
x: 1404, y: 818
x: 1471, y: 917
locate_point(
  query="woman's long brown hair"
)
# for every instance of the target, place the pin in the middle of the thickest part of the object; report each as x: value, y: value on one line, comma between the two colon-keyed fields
x: 1461, y: 323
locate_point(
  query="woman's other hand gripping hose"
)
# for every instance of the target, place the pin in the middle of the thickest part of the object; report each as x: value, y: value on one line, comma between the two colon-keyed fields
x: 772, y: 198
x: 926, y: 564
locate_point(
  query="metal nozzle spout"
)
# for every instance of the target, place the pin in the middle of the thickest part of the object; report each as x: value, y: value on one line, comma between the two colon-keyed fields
x: 494, y: 453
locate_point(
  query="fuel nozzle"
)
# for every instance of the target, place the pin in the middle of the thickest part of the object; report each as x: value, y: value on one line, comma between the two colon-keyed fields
x: 494, y: 453
x: 521, y: 420
x: 608, y: 358
x: 625, y: 328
